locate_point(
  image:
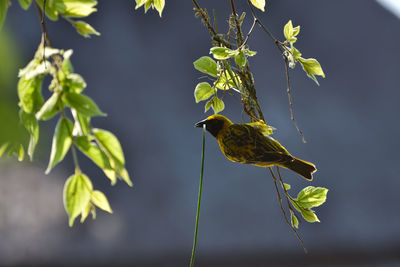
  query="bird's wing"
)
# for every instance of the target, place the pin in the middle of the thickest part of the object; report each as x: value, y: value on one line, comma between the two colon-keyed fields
x: 252, y: 146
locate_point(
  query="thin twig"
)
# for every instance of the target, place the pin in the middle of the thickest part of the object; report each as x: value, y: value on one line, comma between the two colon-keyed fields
x: 290, y: 100
x: 279, y: 46
x: 249, y: 33
x: 283, y: 210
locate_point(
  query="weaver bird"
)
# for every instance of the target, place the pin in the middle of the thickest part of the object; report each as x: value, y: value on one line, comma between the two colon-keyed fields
x: 250, y: 143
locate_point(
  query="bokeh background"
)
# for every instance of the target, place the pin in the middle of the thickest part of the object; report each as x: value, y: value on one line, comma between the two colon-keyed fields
x: 140, y: 72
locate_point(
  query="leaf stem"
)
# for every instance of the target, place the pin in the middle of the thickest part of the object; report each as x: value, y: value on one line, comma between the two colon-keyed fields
x: 198, y: 200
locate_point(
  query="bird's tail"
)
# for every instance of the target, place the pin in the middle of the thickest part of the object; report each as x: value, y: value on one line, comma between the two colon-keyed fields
x: 302, y: 167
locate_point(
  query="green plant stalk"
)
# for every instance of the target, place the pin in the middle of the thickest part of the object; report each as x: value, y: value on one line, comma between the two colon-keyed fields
x: 196, y: 229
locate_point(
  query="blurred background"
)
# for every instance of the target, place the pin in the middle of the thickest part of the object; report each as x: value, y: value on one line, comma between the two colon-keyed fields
x: 140, y: 73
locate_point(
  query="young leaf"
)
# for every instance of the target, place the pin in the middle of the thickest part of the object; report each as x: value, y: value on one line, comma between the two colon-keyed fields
x: 221, y: 53
x: 207, y: 106
x: 309, y: 215
x: 76, y: 195
x: 260, y: 4
x: 83, y: 104
x: 29, y: 93
x: 82, y: 123
x: 240, y: 59
x: 287, y: 186
x: 249, y: 53
x: 288, y: 30
x: 31, y: 124
x: 85, y: 29
x: 159, y: 5
x: 92, y: 151
x: 312, y: 67
x: 125, y: 176
x: 3, y: 11
x: 203, y: 91
x: 21, y: 153
x: 49, y: 108
x: 76, y: 8
x: 110, y: 143
x: 206, y: 65
x: 217, y: 105
x: 25, y: 4
x: 3, y: 149
x: 294, y: 220
x: 61, y: 142
x: 100, y: 200
x: 86, y: 212
x: 312, y: 196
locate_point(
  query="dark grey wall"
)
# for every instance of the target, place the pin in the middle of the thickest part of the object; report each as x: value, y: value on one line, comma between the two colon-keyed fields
x: 140, y: 72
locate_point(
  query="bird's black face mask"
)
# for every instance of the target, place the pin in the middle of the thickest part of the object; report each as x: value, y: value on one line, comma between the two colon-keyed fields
x: 213, y: 126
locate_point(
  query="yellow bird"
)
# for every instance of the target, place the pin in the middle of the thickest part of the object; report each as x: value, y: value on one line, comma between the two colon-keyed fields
x: 250, y: 143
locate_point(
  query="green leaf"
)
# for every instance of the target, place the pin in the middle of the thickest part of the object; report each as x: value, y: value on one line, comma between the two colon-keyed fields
x: 3, y: 11
x: 74, y: 82
x: 21, y: 153
x: 221, y: 53
x: 29, y: 93
x: 287, y: 186
x: 49, y: 108
x: 86, y: 211
x: 240, y: 59
x: 206, y: 65
x: 85, y: 29
x: 76, y: 8
x: 309, y: 215
x: 76, y: 195
x: 109, y: 142
x: 296, y: 53
x: 100, y: 200
x: 294, y: 220
x: 249, y: 53
x: 31, y: 124
x: 312, y: 196
x: 92, y: 151
x: 159, y: 5
x: 51, y: 11
x: 83, y: 104
x: 203, y: 91
x: 260, y: 4
x: 125, y: 176
x: 82, y: 123
x: 61, y: 142
x: 217, y: 105
x: 25, y: 4
x: 226, y: 81
x: 207, y: 106
x: 312, y: 67
x: 288, y: 30
x: 3, y: 149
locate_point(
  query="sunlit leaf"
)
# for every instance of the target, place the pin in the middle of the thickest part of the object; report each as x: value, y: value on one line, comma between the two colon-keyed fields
x: 83, y: 104
x: 49, y: 108
x: 240, y: 59
x: 61, y: 142
x: 260, y: 4
x: 3, y: 149
x: 203, y: 91
x: 76, y: 8
x: 92, y: 151
x: 293, y: 219
x: 312, y: 196
x: 85, y: 29
x: 312, y: 67
x: 29, y: 93
x: 31, y: 124
x: 206, y: 65
x: 100, y: 200
x: 221, y: 53
x: 110, y: 143
x: 76, y: 195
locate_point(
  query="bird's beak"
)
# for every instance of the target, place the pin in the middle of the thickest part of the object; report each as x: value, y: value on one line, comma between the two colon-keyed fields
x: 200, y: 123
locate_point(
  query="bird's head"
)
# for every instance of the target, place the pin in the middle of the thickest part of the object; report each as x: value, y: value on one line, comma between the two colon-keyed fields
x: 214, y: 124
